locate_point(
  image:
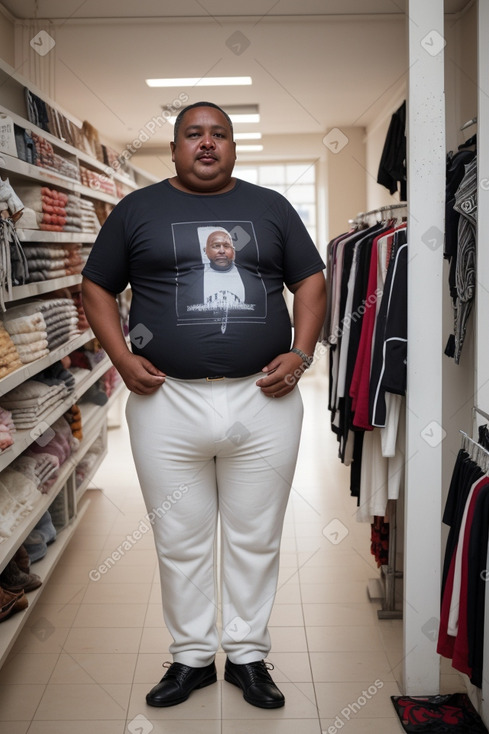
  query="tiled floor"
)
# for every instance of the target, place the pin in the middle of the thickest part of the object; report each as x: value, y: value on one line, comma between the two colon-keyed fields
x: 94, y: 648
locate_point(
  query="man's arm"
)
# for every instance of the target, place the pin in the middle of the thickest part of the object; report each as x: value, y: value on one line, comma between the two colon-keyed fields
x: 102, y: 313
x: 309, y: 311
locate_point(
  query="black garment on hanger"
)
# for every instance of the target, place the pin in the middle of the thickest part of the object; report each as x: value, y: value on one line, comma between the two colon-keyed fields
x: 465, y: 473
x: 392, y: 168
x: 476, y: 592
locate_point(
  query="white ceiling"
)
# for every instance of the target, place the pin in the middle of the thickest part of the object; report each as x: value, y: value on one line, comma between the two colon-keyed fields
x: 315, y: 64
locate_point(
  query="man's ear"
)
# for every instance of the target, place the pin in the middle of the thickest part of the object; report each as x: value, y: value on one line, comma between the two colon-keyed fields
x: 172, y: 148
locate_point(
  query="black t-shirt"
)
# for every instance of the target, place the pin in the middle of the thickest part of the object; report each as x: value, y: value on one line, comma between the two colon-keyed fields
x: 188, y: 319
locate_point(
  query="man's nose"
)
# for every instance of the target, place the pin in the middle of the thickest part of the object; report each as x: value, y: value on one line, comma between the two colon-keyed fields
x: 207, y: 141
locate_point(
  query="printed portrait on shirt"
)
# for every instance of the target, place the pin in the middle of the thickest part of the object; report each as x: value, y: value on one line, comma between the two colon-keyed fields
x: 218, y: 277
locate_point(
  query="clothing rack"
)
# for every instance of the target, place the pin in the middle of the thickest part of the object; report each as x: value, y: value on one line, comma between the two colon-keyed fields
x: 384, y: 588
x: 379, y: 210
x: 477, y: 452
x: 469, y: 123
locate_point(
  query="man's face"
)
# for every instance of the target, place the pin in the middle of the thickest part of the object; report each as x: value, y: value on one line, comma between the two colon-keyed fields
x: 220, y: 251
x: 204, y: 152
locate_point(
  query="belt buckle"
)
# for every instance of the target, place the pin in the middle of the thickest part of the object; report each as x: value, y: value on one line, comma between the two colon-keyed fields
x: 213, y: 379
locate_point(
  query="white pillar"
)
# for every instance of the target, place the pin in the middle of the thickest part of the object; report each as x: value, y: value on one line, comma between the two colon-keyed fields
x: 426, y: 186
x: 482, y: 281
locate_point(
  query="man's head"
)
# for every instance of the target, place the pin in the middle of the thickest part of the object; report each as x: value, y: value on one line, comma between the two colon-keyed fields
x: 219, y: 249
x: 182, y: 113
x: 203, y: 149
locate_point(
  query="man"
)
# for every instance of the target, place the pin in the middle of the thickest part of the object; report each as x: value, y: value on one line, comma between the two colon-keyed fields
x: 213, y: 416
x: 225, y: 290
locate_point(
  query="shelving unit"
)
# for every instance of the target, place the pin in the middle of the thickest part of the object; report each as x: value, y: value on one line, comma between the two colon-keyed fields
x: 94, y: 417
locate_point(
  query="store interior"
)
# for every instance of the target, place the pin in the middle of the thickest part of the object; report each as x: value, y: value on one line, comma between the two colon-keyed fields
x: 327, y: 80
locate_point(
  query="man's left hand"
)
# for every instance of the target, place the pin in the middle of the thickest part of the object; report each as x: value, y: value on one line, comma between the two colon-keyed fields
x: 282, y: 375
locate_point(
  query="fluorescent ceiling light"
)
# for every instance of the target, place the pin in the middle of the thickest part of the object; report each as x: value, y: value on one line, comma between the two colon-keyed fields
x: 247, y: 136
x: 206, y: 81
x: 249, y: 148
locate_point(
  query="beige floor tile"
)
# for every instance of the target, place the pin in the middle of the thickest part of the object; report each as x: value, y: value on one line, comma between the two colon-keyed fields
x: 322, y: 615
x: 114, y: 540
x: 331, y: 592
x: 354, y: 571
x: 43, y: 637
x: 149, y: 668
x: 82, y: 702
x: 122, y: 593
x: 70, y: 574
x: 335, y: 697
x: 289, y: 593
x: 288, y: 639
x: 154, y: 615
x: 28, y: 668
x: 271, y: 726
x: 363, y: 726
x: 103, y: 640
x: 77, y: 727
x: 65, y: 593
x: 74, y: 557
x: 300, y: 703
x: 19, y: 702
x: 202, y: 705
x: 154, y: 639
x: 292, y: 667
x: 59, y: 615
x: 90, y: 668
x: 121, y: 573
x: 339, y: 639
x: 110, y: 615
x: 350, y: 666
x: 286, y: 615
x: 452, y: 684
x: 171, y: 726
x: 18, y: 727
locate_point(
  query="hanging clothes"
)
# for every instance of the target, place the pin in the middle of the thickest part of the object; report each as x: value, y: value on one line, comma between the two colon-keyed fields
x: 461, y: 632
x: 460, y: 242
x: 392, y: 167
x: 362, y: 262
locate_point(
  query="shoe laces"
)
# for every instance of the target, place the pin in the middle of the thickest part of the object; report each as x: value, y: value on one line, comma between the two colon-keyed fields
x: 178, y: 671
x: 259, y: 671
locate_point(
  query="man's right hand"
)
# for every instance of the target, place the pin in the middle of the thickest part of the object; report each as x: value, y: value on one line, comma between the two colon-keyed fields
x: 139, y: 374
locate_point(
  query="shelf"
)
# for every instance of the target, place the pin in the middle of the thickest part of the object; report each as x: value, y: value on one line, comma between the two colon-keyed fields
x: 10, y: 381
x: 11, y: 627
x: 66, y: 147
x: 11, y: 164
x: 45, y: 176
x: 56, y: 238
x: 92, y: 422
x: 31, y: 290
x: 24, y: 438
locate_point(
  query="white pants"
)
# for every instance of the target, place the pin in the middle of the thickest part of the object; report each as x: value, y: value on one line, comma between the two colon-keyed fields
x: 202, y: 448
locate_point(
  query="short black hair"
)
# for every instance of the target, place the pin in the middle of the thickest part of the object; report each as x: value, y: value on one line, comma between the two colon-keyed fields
x: 181, y: 114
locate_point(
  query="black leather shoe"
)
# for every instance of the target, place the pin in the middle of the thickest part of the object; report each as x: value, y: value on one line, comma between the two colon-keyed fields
x: 178, y: 683
x: 256, y: 683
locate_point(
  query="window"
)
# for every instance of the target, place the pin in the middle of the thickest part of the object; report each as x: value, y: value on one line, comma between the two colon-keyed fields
x: 296, y: 181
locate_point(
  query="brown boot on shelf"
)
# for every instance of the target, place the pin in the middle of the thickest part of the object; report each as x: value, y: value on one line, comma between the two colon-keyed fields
x: 14, y: 580
x: 22, y: 559
x: 11, y: 603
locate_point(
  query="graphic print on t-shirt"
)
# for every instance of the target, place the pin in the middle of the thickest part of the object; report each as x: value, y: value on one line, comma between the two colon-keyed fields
x: 218, y: 278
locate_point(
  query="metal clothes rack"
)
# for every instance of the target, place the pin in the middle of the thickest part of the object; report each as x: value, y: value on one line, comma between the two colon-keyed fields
x: 477, y: 452
x: 381, y: 210
x: 384, y: 588
x: 469, y: 123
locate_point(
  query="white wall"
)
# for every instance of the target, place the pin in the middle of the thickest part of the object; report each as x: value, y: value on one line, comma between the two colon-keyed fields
x: 6, y: 37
